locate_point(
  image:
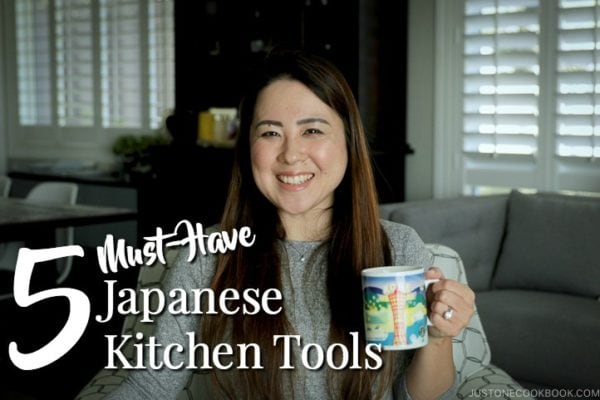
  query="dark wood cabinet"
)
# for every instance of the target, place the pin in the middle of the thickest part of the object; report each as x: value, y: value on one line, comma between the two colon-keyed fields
x: 218, y: 40
x: 188, y: 182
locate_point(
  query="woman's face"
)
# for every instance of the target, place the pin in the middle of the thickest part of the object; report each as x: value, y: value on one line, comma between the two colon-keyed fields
x: 297, y: 148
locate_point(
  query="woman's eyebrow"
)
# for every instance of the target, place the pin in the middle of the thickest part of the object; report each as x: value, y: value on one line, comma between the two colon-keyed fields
x: 311, y: 120
x: 268, y: 122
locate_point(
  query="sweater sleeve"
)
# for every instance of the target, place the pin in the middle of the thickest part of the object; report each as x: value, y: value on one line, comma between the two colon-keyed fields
x: 164, y: 382
x: 407, y: 246
x: 409, y: 249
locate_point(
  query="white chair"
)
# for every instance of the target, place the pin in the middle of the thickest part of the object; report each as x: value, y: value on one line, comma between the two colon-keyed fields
x: 47, y: 192
x: 4, y: 185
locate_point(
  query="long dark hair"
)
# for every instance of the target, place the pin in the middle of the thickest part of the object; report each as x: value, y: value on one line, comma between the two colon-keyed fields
x: 357, y: 241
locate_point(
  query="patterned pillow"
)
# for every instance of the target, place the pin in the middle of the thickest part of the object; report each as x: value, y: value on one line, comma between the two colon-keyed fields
x: 470, y: 348
x: 478, y: 378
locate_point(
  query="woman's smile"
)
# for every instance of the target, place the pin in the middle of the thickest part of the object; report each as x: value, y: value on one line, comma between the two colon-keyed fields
x: 294, y: 181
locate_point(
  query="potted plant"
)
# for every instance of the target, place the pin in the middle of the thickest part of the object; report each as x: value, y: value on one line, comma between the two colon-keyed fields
x: 133, y: 152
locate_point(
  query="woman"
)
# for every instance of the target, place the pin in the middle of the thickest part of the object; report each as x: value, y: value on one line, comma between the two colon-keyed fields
x: 302, y: 181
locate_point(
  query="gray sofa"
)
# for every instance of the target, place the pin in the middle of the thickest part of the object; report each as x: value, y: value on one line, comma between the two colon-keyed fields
x: 534, y: 262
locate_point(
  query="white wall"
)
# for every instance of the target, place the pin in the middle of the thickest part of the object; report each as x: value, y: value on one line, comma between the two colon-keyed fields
x: 420, y: 99
x: 3, y: 132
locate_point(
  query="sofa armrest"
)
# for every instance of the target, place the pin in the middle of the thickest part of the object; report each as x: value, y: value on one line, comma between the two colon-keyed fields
x: 473, y: 226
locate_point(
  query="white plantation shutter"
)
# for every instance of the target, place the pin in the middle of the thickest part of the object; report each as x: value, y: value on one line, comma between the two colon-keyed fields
x: 161, y: 53
x: 519, y: 96
x: 33, y: 62
x: 120, y: 52
x: 501, y: 88
x: 92, y: 65
x: 74, y: 62
x: 578, y: 83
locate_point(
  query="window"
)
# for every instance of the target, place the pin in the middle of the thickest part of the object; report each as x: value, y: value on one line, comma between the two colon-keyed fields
x: 526, y: 74
x: 74, y: 62
x: 33, y: 63
x: 578, y: 88
x: 86, y: 71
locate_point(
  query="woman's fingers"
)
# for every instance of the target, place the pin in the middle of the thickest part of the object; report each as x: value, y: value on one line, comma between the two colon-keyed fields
x: 450, y: 319
x: 452, y: 286
x: 451, y: 304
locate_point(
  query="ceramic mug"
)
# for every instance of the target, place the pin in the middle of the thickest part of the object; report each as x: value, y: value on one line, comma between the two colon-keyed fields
x: 395, y: 306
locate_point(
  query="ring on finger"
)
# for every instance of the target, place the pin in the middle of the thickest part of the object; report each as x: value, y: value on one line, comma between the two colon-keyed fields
x: 448, y: 313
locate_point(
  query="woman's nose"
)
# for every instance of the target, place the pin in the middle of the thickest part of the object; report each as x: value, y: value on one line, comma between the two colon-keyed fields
x: 292, y: 151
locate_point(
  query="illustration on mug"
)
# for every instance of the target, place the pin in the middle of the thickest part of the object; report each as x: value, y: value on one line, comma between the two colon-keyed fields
x: 385, y: 322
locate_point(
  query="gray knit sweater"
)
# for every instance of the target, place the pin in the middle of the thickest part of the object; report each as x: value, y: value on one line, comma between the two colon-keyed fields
x: 305, y: 304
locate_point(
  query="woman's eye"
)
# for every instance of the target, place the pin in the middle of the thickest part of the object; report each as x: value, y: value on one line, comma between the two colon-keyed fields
x: 313, y: 131
x: 269, y: 134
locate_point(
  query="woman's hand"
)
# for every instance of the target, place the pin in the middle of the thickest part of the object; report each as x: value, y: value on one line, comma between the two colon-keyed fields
x: 449, y: 299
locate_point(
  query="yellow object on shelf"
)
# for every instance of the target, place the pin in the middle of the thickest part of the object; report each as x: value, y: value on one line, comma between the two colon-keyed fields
x: 206, y: 123
x: 217, y: 127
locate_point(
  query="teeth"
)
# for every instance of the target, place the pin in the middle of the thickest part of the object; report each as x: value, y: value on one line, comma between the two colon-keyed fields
x: 296, y: 179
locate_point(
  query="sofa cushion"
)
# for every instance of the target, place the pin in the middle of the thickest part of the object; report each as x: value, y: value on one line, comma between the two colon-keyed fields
x: 550, y: 244
x: 550, y: 339
x: 473, y: 226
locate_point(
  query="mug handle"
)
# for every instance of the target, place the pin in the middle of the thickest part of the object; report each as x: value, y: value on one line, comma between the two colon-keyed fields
x: 427, y: 283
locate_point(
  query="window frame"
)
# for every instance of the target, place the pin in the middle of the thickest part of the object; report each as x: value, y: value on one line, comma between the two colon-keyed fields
x: 52, y: 141
x: 543, y: 171
x: 3, y: 124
